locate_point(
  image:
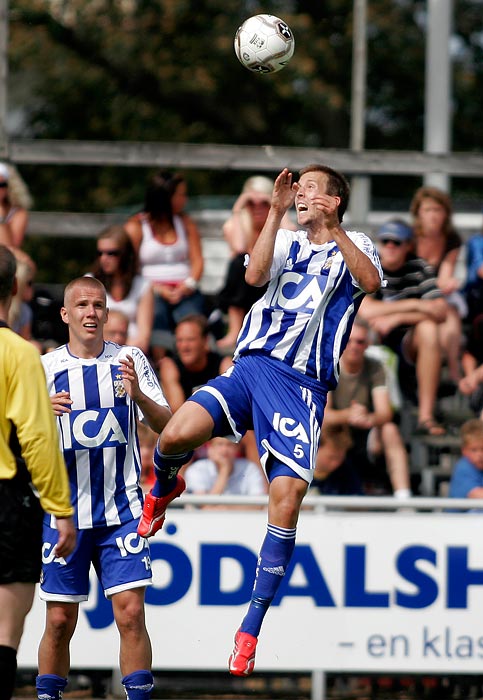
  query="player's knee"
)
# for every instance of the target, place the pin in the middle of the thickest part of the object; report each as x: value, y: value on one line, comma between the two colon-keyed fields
x: 286, y: 507
x: 171, y: 440
x: 61, y: 624
x: 131, y: 620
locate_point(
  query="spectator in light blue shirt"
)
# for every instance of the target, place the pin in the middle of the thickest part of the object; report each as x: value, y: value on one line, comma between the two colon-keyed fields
x: 467, y: 478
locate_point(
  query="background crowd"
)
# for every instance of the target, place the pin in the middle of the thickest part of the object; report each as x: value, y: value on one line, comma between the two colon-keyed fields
x: 414, y: 343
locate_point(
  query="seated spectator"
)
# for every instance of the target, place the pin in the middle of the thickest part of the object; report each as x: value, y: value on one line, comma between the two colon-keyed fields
x: 241, y: 231
x: 193, y: 363
x: 406, y: 314
x: 437, y: 242
x: 361, y: 402
x: 170, y: 255
x: 20, y: 316
x: 467, y: 477
x: 224, y: 472
x: 473, y: 289
x: 249, y: 214
x: 116, y: 267
x: 116, y: 328
x: 471, y: 383
x: 335, y: 474
x: 14, y: 204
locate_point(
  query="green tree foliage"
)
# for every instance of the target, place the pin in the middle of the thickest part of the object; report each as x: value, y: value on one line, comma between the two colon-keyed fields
x: 165, y: 70
x: 159, y: 70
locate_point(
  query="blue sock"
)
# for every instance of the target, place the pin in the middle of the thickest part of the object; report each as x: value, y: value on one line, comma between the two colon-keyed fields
x: 50, y: 686
x: 166, y: 468
x: 275, y: 554
x: 138, y: 685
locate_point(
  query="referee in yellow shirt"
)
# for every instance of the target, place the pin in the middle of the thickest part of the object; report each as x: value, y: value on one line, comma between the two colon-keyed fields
x: 29, y: 457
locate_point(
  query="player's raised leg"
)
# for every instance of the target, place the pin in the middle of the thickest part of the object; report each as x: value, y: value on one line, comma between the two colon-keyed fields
x: 190, y: 427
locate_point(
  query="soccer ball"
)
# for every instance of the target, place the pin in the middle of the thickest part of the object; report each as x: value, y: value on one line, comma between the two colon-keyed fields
x: 264, y: 44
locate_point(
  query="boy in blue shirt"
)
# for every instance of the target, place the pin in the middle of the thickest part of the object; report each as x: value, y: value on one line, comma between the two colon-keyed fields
x: 467, y: 478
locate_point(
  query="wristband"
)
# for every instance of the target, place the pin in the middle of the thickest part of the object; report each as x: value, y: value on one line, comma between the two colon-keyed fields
x: 191, y: 283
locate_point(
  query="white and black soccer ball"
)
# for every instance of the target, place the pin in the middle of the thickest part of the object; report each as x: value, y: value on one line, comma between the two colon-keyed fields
x: 264, y: 44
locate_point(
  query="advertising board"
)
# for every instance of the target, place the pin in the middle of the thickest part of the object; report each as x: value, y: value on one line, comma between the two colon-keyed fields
x: 364, y: 592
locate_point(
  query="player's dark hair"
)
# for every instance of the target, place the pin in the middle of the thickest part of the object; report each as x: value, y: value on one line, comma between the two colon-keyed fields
x: 337, y: 185
x: 8, y: 268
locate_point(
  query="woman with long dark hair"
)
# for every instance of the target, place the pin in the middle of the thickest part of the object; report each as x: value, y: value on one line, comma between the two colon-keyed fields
x: 116, y: 266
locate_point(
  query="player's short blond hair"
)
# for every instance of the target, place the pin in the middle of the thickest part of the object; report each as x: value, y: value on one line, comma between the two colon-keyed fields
x: 83, y: 282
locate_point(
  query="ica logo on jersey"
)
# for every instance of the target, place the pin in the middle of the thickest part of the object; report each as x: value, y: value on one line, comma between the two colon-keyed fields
x: 300, y: 292
x: 103, y: 427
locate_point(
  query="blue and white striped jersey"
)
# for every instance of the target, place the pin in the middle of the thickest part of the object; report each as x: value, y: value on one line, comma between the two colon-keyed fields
x: 305, y: 317
x: 99, y: 436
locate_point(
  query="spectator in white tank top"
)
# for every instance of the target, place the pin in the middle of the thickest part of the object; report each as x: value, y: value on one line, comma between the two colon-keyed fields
x: 169, y: 248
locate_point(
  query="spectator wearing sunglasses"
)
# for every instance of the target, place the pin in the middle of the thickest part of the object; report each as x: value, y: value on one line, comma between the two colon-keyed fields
x: 116, y: 267
x: 407, y: 314
x: 241, y: 231
x: 14, y: 204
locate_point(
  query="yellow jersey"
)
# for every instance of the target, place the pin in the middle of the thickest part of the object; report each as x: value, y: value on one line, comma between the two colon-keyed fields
x: 27, y: 424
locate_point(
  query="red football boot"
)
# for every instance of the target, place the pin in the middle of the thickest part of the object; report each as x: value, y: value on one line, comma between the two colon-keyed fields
x: 154, y: 509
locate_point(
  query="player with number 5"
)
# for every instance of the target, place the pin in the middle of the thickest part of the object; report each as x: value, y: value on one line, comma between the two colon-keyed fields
x: 285, y: 362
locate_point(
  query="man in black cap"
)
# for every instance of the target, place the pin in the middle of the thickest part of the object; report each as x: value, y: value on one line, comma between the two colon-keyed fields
x: 406, y: 313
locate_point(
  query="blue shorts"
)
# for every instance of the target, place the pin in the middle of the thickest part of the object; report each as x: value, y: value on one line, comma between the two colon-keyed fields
x: 119, y: 555
x: 283, y: 407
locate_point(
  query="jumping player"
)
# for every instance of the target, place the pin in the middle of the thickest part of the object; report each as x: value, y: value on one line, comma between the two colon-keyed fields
x: 285, y: 362
x: 98, y: 390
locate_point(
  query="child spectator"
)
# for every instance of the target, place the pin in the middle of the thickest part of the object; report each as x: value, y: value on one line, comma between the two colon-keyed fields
x: 335, y: 474
x: 224, y: 472
x: 467, y: 478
